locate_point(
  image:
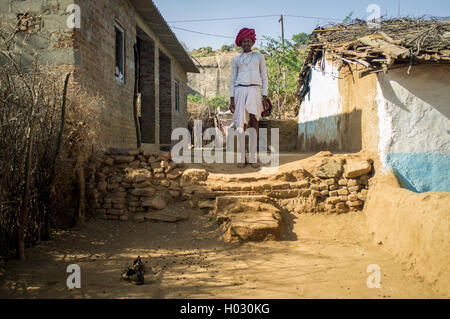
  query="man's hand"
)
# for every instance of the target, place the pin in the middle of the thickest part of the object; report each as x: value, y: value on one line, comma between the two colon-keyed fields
x: 232, y: 105
x: 265, y: 102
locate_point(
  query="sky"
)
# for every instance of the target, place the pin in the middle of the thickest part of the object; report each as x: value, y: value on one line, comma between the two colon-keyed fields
x: 320, y: 10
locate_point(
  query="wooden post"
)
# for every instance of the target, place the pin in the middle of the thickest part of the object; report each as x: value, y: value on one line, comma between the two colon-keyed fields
x: 283, y: 71
x: 47, y: 220
x: 136, y: 92
x: 79, y: 171
x: 24, y: 211
x: 282, y: 30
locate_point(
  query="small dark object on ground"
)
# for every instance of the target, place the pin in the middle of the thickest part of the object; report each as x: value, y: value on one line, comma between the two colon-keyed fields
x: 135, y: 273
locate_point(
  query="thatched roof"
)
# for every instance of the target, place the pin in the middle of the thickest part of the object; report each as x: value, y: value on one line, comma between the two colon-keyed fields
x: 406, y: 41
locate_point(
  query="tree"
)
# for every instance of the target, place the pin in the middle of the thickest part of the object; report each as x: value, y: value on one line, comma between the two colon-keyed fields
x: 300, y: 38
x: 283, y: 67
x: 226, y: 48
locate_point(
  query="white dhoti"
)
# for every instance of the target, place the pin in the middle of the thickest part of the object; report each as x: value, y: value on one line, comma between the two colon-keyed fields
x: 247, y: 101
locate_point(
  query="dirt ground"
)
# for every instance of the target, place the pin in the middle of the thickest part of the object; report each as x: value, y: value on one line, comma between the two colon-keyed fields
x: 319, y: 256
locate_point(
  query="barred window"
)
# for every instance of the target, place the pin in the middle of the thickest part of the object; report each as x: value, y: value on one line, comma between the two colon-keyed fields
x: 177, y: 96
x: 120, y: 53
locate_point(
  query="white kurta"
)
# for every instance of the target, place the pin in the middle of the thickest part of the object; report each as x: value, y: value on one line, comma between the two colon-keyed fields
x: 248, y: 69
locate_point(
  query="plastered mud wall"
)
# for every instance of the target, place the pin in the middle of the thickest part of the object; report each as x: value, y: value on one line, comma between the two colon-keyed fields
x: 339, y: 113
x: 414, y: 128
x: 412, y: 227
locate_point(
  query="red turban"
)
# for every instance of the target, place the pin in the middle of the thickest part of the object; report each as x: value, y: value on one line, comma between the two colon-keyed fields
x: 245, y: 33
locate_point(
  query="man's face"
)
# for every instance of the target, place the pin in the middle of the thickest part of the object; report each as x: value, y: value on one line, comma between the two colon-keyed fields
x: 247, y: 44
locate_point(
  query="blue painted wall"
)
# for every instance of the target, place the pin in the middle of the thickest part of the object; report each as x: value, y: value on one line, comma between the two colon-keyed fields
x: 422, y: 172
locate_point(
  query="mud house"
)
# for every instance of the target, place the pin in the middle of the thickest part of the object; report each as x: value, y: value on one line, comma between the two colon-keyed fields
x: 98, y: 45
x: 384, y: 90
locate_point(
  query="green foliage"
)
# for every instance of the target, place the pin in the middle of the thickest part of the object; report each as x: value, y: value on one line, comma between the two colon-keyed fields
x: 226, y: 48
x: 217, y: 102
x: 195, y: 98
x: 300, y: 38
x: 202, y: 52
x: 208, y: 51
x: 348, y: 17
x: 283, y: 67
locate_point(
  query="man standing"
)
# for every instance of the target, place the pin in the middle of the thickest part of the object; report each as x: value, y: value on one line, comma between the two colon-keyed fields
x: 248, y: 75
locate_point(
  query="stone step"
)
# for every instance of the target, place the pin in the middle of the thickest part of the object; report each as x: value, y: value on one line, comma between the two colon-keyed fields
x: 288, y: 193
x: 248, y: 218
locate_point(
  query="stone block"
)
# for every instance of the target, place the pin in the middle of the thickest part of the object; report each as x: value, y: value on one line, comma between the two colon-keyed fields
x: 194, y: 175
x: 145, y: 184
x: 354, y: 168
x: 342, y: 182
x: 329, y: 168
x: 165, y: 183
x: 123, y: 159
x: 315, y: 193
x: 357, y: 203
x: 139, y: 217
x: 155, y: 203
x: 109, y: 161
x: 324, y: 193
x: 144, y: 192
x: 332, y: 200
x: 117, y: 212
x: 352, y: 182
x: 362, y: 197
x: 135, y: 203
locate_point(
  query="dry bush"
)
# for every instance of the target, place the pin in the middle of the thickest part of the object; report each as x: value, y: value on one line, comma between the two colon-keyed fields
x: 33, y: 93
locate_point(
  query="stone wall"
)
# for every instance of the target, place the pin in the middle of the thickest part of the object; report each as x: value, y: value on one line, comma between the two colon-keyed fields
x: 214, y: 76
x: 130, y: 184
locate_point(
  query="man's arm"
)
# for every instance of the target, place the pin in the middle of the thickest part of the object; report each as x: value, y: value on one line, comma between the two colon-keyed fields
x: 264, y: 77
x: 234, y: 73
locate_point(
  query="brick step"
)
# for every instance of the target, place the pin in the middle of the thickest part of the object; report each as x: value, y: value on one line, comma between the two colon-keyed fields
x: 256, y: 186
x: 286, y: 193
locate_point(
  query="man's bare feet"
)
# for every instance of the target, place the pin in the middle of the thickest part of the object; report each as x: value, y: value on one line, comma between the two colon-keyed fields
x: 241, y: 165
x: 255, y: 165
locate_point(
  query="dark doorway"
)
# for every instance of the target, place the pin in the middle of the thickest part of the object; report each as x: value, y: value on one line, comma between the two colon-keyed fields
x: 165, y: 100
x: 146, y: 99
